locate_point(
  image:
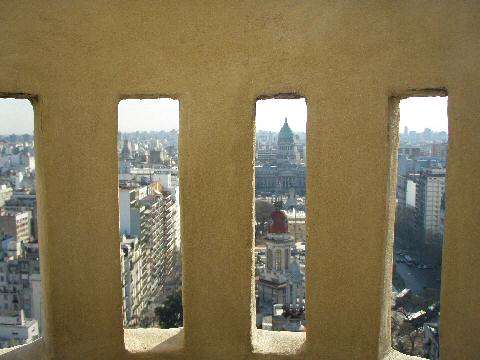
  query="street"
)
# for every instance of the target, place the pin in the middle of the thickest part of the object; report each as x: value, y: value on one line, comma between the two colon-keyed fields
x: 416, y: 279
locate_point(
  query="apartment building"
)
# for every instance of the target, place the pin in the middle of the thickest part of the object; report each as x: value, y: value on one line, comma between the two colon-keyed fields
x: 148, y: 214
x: 24, y: 200
x: 17, y: 224
x: 17, y: 330
x: 18, y: 277
x: 430, y: 191
x: 6, y: 192
x: 131, y: 263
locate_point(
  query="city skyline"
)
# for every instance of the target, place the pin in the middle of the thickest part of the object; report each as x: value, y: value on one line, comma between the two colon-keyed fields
x: 16, y: 115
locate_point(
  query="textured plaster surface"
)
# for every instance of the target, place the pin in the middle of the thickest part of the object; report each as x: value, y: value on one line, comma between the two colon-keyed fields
x: 153, y: 340
x: 282, y: 343
x: 347, y: 58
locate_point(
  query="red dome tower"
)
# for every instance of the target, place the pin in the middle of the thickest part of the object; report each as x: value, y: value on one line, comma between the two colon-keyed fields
x: 279, y: 223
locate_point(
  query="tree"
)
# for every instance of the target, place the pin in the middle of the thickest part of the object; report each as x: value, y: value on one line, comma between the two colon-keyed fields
x: 170, y: 313
x: 263, y: 212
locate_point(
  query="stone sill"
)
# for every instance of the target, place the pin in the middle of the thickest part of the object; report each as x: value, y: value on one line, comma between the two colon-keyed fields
x: 266, y: 344
x: 278, y: 342
x: 30, y: 351
x: 396, y: 355
x: 153, y: 340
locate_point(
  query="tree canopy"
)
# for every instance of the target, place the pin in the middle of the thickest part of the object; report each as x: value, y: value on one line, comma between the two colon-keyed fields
x: 170, y: 313
x: 263, y: 212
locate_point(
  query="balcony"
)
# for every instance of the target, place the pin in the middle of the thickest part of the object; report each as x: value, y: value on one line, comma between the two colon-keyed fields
x: 77, y: 59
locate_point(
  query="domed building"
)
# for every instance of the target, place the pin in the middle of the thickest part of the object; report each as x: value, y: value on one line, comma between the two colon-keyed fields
x: 286, y: 149
x: 284, y: 171
x: 281, y: 280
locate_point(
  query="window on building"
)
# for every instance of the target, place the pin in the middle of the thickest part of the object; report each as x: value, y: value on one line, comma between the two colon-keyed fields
x: 278, y: 260
x: 287, y: 258
x: 418, y: 233
x: 269, y: 259
x: 280, y: 198
x: 149, y: 209
x: 18, y: 215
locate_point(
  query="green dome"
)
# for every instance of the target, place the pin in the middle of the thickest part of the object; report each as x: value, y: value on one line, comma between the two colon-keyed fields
x: 285, y: 134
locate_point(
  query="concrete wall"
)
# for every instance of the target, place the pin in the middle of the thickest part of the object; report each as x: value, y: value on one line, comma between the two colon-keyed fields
x: 79, y: 58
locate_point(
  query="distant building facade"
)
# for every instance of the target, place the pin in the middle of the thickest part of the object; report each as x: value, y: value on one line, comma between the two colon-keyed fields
x: 430, y: 202
x: 6, y: 192
x: 131, y: 266
x: 281, y: 166
x: 20, y: 284
x: 17, y: 330
x: 17, y: 224
x: 147, y: 215
x: 25, y: 200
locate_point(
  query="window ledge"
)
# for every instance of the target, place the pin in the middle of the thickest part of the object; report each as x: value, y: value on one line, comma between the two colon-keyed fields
x: 397, y: 355
x: 277, y: 342
x: 34, y: 350
x: 153, y: 340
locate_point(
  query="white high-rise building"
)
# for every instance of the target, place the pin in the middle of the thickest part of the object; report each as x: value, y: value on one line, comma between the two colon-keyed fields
x: 148, y: 214
x: 430, y: 192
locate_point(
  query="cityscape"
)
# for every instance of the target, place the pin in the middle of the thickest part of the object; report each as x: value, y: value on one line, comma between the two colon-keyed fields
x: 280, y: 214
x: 280, y: 238
x: 150, y: 229
x: 150, y: 242
x: 419, y: 229
x: 21, y: 313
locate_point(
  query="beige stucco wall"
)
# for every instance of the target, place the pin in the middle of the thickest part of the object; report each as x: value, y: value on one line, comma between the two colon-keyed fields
x: 80, y: 57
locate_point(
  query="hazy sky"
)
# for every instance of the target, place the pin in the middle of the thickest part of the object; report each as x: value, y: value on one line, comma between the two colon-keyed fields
x: 16, y: 115
x: 148, y: 114
x: 419, y: 113
x: 271, y: 114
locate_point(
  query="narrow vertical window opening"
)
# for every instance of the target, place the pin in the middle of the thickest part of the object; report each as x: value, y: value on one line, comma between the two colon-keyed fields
x: 21, y: 305
x: 149, y: 211
x: 419, y: 225
x: 280, y: 198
